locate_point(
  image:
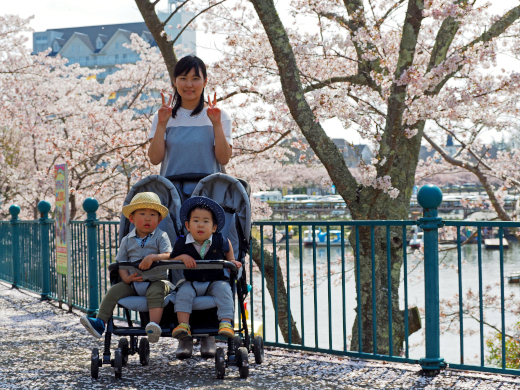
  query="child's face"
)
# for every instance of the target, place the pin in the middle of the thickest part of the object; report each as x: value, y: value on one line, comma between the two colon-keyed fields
x: 201, y: 225
x: 145, y: 221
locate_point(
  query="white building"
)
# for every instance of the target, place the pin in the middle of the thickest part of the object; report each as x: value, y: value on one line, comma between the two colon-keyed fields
x: 102, y: 46
x: 265, y: 196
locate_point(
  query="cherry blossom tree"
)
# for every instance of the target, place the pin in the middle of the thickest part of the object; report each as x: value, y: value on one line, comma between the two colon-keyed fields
x: 53, y: 112
x: 58, y: 113
x: 389, y: 68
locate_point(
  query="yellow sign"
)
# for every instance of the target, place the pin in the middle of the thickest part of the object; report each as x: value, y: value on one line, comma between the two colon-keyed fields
x: 91, y: 77
x: 62, y: 217
x: 112, y: 96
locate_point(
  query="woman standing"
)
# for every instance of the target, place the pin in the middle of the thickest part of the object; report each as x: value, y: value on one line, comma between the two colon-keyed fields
x: 190, y: 140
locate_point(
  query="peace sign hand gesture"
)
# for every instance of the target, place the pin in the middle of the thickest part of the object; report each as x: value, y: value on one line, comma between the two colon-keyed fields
x: 165, y: 112
x: 214, y: 113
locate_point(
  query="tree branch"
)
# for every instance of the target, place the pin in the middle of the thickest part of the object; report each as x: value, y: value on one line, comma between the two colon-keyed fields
x: 357, y: 79
x: 494, y: 31
x: 270, y: 146
x: 397, y: 98
x: 320, y: 143
x: 192, y: 19
x: 387, y: 14
x: 231, y: 94
x: 444, y: 38
x: 156, y: 28
x: 174, y: 12
x: 475, y: 169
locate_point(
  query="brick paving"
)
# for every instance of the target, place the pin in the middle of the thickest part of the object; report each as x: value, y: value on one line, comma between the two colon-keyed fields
x: 44, y: 347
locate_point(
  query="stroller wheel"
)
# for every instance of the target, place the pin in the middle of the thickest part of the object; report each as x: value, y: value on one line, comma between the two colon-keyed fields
x: 243, y: 362
x: 237, y: 343
x: 118, y: 363
x: 94, y: 363
x: 258, y: 349
x: 144, y: 351
x: 123, y: 346
x: 220, y: 363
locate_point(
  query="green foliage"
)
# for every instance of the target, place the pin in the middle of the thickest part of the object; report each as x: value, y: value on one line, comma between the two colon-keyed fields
x: 494, y: 346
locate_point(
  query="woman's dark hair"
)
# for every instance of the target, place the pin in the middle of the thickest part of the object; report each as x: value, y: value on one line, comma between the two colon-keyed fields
x: 183, y: 67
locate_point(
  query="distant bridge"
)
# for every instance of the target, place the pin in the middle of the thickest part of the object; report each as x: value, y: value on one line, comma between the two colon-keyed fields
x: 307, y: 209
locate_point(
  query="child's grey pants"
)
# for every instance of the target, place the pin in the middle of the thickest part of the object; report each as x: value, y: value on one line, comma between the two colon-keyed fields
x: 218, y: 289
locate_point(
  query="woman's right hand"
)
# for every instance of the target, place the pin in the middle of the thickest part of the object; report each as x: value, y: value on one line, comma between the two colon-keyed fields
x: 165, y: 112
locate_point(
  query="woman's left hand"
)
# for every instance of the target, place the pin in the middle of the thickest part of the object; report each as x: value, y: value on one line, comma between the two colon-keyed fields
x: 214, y: 113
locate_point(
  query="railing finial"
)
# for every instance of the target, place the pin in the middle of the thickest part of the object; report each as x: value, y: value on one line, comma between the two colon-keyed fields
x: 90, y: 205
x: 429, y: 196
x: 14, y: 210
x: 44, y: 207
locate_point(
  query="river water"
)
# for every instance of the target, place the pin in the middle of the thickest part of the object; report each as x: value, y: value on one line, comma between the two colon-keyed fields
x: 449, y: 288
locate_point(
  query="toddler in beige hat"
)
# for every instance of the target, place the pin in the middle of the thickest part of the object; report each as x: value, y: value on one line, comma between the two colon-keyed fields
x: 149, y: 243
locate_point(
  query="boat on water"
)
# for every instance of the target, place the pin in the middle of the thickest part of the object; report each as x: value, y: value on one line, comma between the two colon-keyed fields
x: 513, y: 278
x: 320, y: 237
x: 417, y: 240
x: 494, y: 243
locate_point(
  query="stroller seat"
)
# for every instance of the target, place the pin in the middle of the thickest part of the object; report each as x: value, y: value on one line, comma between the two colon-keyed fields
x: 139, y: 303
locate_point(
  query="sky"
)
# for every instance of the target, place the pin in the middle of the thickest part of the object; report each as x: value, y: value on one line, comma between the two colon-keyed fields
x: 50, y: 14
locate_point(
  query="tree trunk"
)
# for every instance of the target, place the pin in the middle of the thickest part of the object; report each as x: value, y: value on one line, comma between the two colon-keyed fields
x: 401, y: 156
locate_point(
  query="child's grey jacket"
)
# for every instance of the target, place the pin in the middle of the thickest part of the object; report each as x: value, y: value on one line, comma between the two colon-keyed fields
x: 130, y: 250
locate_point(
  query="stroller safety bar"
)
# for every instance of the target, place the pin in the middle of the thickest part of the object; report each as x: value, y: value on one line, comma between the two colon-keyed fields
x: 176, y: 264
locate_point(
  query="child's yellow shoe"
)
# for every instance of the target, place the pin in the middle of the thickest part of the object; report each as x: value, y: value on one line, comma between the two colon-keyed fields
x: 182, y: 331
x: 225, y: 329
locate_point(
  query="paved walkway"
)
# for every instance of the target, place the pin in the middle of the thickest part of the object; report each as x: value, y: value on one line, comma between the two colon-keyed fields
x: 43, y: 347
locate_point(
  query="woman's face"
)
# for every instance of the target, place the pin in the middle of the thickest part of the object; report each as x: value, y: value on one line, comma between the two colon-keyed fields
x: 190, y: 86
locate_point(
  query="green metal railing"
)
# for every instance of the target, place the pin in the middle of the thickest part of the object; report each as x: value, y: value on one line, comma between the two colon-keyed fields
x: 326, y: 300
x: 328, y: 310
x: 326, y: 304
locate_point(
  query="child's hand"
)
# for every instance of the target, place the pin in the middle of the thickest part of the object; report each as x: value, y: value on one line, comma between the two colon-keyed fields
x: 146, y: 263
x: 188, y: 261
x: 133, y: 278
x: 237, y: 263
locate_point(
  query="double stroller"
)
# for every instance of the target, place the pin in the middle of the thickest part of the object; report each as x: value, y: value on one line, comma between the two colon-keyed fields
x: 233, y: 195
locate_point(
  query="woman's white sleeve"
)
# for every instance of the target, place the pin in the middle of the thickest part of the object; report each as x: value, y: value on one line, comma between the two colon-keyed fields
x: 154, y: 126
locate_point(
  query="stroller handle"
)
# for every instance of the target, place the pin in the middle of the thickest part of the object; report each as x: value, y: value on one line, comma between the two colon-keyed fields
x: 176, y: 264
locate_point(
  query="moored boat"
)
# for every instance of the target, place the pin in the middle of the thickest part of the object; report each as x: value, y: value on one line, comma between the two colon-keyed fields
x: 513, y: 278
x: 320, y: 237
x: 494, y: 243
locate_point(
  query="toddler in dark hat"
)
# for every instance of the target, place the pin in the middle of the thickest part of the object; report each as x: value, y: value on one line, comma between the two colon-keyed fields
x: 204, y: 219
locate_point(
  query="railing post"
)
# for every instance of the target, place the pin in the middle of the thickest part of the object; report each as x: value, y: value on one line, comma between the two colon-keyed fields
x: 44, y: 207
x: 430, y: 198
x: 14, y: 210
x: 90, y: 205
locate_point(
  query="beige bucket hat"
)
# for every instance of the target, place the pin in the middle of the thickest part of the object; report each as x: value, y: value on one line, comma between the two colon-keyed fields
x: 145, y: 200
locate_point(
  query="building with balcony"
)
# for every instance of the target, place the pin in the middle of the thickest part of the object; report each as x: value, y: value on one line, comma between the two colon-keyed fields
x: 102, y: 47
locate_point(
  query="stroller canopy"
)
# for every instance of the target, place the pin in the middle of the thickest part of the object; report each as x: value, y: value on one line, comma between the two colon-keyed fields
x: 169, y: 198
x: 234, y: 199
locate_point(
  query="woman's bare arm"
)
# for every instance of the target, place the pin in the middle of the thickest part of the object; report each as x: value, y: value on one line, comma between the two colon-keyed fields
x: 222, y: 148
x: 157, y: 149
